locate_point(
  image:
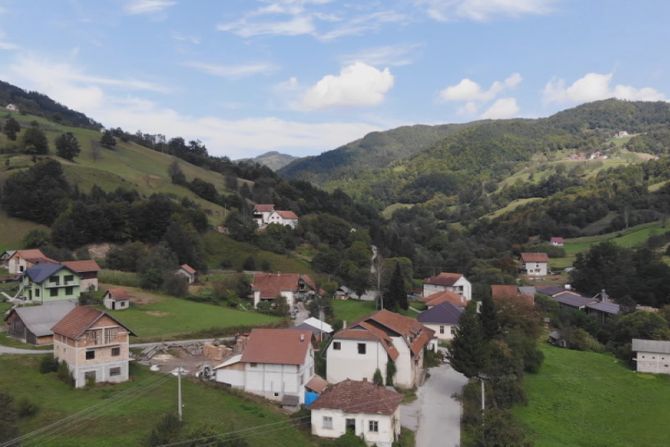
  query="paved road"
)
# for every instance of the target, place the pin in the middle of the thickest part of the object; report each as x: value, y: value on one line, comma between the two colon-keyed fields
x: 14, y: 351
x: 435, y: 415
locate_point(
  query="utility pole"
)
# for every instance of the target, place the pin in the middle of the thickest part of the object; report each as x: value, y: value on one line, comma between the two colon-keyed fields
x: 179, y: 404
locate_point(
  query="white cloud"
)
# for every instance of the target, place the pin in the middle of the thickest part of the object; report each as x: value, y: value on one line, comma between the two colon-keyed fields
x: 469, y: 90
x: 595, y: 86
x: 136, y: 7
x: 391, y: 55
x: 359, y: 25
x: 295, y: 26
x: 483, y: 10
x: 232, y: 71
x: 179, y: 37
x: 503, y: 108
x: 357, y: 85
x: 97, y: 97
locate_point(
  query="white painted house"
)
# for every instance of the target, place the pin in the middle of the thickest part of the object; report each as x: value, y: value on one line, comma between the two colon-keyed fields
x: 266, y: 214
x: 22, y: 260
x: 275, y: 364
x: 371, y: 412
x: 116, y: 299
x: 292, y: 286
x: 535, y: 264
x: 358, y: 351
x: 187, y: 272
x: 445, y: 281
x: 442, y: 319
x: 262, y: 212
x: 652, y: 356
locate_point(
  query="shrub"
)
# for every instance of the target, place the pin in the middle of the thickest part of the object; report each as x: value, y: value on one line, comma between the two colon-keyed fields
x: 390, y: 372
x: 175, y: 285
x: 167, y: 430
x: 64, y: 374
x: 26, y: 408
x: 249, y: 263
x: 377, y: 378
x: 349, y: 440
x: 48, y: 364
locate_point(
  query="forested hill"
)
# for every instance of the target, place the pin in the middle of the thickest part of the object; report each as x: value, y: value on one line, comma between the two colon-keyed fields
x: 375, y: 150
x: 272, y: 159
x: 35, y: 103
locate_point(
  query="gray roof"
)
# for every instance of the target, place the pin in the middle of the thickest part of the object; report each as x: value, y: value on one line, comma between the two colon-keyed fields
x: 445, y: 313
x: 605, y: 307
x: 44, y: 270
x: 550, y: 290
x: 573, y: 299
x: 527, y: 290
x: 661, y: 347
x: 40, y: 319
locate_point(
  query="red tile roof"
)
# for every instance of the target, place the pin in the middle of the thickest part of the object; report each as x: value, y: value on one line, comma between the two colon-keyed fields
x: 317, y: 384
x: 287, y: 214
x: 445, y: 296
x: 443, y: 279
x: 84, y: 266
x: 188, y: 269
x: 358, y: 397
x: 366, y: 331
x: 33, y: 255
x: 264, y: 207
x: 75, y: 323
x: 557, y: 240
x: 277, y: 346
x: 272, y: 284
x: 507, y: 291
x: 119, y: 294
x: 534, y: 257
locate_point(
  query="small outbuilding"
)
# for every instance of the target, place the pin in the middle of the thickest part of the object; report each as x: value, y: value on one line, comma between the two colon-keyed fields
x: 116, y: 299
x: 32, y: 324
x: 187, y: 272
x: 652, y: 356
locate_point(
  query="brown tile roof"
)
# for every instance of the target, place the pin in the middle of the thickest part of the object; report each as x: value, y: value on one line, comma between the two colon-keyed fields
x: 287, y: 214
x: 264, y: 207
x: 508, y: 291
x: 416, y: 335
x: 188, y: 269
x: 32, y: 255
x: 358, y: 397
x: 75, y: 323
x: 557, y: 240
x: 366, y: 331
x: 272, y: 284
x: 443, y: 279
x: 445, y: 296
x: 317, y: 384
x: 84, y: 266
x: 119, y: 294
x: 534, y: 257
x: 277, y: 346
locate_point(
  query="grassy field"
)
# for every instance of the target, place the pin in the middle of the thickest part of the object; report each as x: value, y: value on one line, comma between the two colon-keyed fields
x: 514, y: 204
x: 588, y: 399
x: 161, y: 317
x: 352, y: 310
x: 13, y: 230
x: 128, y: 420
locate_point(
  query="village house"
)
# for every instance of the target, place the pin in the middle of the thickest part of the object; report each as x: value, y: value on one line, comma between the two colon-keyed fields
x: 320, y: 329
x: 501, y: 292
x: 292, y: 286
x: 94, y: 345
x: 652, y: 356
x: 266, y: 214
x: 557, y: 241
x: 441, y: 319
x: 22, y: 260
x: 46, y: 282
x: 453, y: 282
x: 275, y: 363
x: 116, y: 299
x: 375, y: 341
x: 187, y: 272
x: 446, y: 296
x: 603, y: 307
x: 32, y: 324
x: 88, y: 273
x: 535, y: 264
x: 371, y: 412
x: 262, y: 212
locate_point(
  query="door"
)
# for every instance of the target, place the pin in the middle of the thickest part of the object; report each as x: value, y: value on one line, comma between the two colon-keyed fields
x: 351, y: 425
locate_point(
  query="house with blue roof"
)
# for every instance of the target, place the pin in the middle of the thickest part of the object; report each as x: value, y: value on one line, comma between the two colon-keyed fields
x: 47, y: 282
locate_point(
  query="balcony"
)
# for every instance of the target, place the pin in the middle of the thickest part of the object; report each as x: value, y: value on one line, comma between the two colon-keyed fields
x: 103, y: 340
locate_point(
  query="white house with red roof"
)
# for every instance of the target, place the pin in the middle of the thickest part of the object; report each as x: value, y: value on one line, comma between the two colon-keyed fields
x: 358, y: 351
x: 87, y: 270
x: 557, y: 241
x: 269, y: 286
x: 446, y: 281
x: 22, y: 260
x: 277, y: 364
x: 266, y: 214
x: 535, y: 264
x: 116, y: 299
x: 187, y: 272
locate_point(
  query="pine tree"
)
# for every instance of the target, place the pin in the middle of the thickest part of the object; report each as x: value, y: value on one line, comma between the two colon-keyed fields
x: 467, y: 353
x: 396, y: 297
x: 488, y: 317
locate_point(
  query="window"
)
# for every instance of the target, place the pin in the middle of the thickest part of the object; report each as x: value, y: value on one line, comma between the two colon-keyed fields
x: 361, y: 348
x: 337, y: 345
x: 37, y: 292
x: 275, y: 394
x: 253, y: 365
x: 54, y: 280
x: 53, y: 292
x: 90, y: 355
x: 373, y: 426
x: 116, y: 351
x: 90, y: 376
x: 68, y: 278
x: 441, y: 329
x: 114, y: 372
x: 69, y: 290
x: 327, y: 422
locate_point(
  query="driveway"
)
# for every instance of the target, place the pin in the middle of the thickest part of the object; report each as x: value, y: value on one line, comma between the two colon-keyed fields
x: 435, y: 415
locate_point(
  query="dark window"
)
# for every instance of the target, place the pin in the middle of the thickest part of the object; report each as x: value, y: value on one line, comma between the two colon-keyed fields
x: 116, y: 351
x: 37, y: 292
x: 90, y: 355
x: 69, y: 290
x: 68, y: 278
x: 53, y: 292
x: 114, y: 372
x: 54, y: 280
x: 337, y: 345
x: 373, y: 426
x: 441, y: 329
x: 253, y: 365
x: 361, y: 348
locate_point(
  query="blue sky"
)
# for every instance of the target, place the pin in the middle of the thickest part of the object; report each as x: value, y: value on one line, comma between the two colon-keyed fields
x: 304, y: 76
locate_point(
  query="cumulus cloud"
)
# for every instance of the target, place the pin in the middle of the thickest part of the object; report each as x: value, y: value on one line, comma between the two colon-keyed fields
x: 232, y: 71
x: 136, y: 7
x: 595, y: 86
x: 483, y: 10
x: 294, y: 26
x: 469, y: 90
x: 503, y: 108
x: 357, y: 85
x: 384, y: 56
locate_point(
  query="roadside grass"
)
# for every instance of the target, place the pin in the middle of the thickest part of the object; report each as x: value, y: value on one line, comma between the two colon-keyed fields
x: 13, y: 230
x: 128, y: 421
x: 589, y: 399
x: 155, y: 316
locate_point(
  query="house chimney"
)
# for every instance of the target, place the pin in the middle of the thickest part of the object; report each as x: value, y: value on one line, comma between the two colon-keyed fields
x: 344, y: 324
x: 567, y: 287
x: 302, y: 338
x: 603, y: 296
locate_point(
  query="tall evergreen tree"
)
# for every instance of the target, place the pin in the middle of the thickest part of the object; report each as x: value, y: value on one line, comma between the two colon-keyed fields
x: 12, y: 128
x: 467, y: 353
x: 396, y: 296
x: 490, y: 325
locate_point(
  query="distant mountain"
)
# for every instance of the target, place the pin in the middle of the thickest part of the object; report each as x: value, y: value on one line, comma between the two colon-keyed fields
x: 375, y: 150
x: 35, y: 103
x: 272, y: 159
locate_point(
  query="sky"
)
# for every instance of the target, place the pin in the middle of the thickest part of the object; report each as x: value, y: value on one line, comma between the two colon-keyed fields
x: 305, y: 76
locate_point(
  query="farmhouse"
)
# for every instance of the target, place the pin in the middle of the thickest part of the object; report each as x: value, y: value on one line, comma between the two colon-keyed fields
x: 557, y: 241
x: 116, y: 299
x: 46, y: 282
x: 262, y: 212
x: 652, y: 356
x: 292, y: 286
x: 501, y: 292
x: 21, y: 260
x: 32, y: 324
x: 266, y: 214
x: 373, y: 343
x: 445, y: 281
x: 276, y: 364
x: 441, y: 319
x: 535, y: 264
x: 446, y: 296
x: 187, y: 272
x: 87, y: 271
x: 93, y: 344
x: 371, y: 412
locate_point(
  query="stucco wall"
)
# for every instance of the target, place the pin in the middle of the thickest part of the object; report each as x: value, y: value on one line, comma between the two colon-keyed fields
x: 448, y: 330
x: 536, y: 268
x: 389, y: 426
x: 652, y: 362
x: 347, y: 363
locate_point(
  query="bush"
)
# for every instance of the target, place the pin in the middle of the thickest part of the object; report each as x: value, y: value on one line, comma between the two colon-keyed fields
x: 26, y: 408
x: 64, y: 374
x: 390, y: 372
x: 175, y: 285
x: 48, y: 364
x: 377, y: 378
x: 349, y: 440
x: 249, y: 263
x: 167, y: 430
